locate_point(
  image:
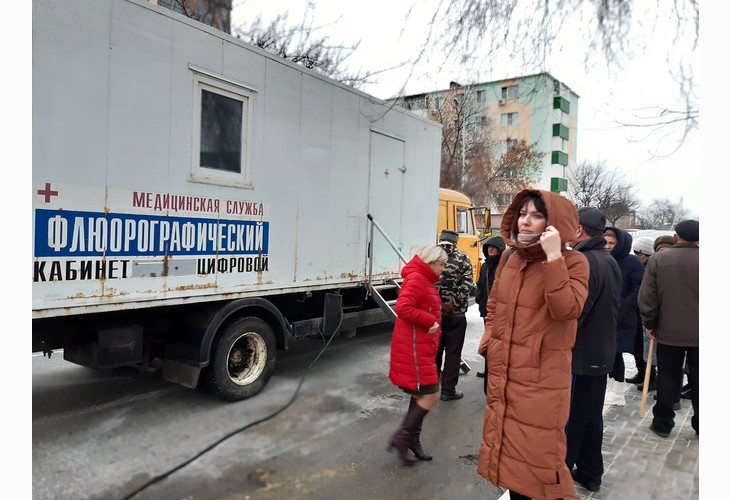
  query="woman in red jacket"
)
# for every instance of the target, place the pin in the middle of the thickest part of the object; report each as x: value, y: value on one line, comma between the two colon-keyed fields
x: 414, y: 344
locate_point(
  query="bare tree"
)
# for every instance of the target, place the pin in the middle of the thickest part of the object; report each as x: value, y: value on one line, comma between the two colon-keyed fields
x: 596, y: 186
x: 464, y: 140
x: 300, y: 44
x: 472, y: 161
x: 210, y: 12
x: 514, y: 170
x: 665, y: 214
x: 611, y: 31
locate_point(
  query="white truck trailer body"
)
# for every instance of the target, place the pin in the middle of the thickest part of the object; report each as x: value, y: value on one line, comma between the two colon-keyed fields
x: 174, y: 165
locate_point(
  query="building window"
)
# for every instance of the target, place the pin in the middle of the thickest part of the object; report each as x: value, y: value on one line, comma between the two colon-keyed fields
x: 505, y: 198
x: 417, y: 103
x: 511, y: 92
x: 509, y: 172
x: 222, y: 137
x: 505, y: 146
x: 480, y: 96
x: 509, y: 119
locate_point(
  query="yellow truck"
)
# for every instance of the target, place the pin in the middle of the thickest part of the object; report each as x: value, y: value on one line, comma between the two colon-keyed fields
x: 457, y: 213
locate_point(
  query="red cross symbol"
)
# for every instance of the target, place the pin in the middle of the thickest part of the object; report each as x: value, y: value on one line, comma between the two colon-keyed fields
x: 386, y: 173
x: 47, y: 192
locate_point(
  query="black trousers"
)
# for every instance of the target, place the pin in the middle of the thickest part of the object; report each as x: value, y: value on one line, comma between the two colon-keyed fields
x: 584, y: 431
x: 619, y: 368
x: 639, y: 350
x: 453, y: 331
x: 670, y: 364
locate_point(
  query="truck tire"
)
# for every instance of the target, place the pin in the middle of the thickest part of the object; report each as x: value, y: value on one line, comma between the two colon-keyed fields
x: 242, y: 360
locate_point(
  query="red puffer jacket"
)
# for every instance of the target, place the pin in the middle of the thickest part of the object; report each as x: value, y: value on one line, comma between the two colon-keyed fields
x: 412, y: 348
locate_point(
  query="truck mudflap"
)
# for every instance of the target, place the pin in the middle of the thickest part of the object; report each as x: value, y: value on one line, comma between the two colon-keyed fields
x: 105, y: 346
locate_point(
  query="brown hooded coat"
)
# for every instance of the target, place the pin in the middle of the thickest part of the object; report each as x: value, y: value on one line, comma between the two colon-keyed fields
x: 533, y: 311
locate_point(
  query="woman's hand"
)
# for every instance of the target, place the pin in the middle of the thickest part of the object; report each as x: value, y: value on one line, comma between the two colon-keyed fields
x: 550, y: 242
x: 434, y: 328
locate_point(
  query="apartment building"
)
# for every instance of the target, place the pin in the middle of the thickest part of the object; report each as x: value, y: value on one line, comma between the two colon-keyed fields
x: 537, y: 108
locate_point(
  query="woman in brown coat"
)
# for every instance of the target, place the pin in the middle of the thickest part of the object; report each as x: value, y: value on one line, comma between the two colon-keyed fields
x: 538, y: 295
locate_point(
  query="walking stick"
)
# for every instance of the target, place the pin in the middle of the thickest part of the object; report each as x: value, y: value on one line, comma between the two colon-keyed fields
x: 647, y: 376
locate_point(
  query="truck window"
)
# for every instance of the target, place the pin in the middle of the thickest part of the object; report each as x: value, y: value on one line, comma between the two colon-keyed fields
x: 222, y: 132
x: 464, y: 221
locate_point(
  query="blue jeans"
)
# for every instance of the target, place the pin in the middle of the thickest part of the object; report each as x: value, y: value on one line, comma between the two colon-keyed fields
x: 646, y: 348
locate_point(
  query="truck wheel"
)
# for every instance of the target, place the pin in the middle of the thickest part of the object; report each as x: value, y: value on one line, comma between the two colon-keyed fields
x: 242, y: 360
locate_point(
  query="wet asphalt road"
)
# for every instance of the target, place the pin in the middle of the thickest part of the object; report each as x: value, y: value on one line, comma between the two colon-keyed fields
x: 102, y: 435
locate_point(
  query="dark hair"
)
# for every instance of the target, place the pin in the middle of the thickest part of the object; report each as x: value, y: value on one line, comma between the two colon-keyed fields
x: 591, y: 231
x: 539, y: 204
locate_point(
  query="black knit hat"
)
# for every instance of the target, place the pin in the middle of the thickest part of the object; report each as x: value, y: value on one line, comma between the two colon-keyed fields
x: 688, y: 230
x: 592, y: 218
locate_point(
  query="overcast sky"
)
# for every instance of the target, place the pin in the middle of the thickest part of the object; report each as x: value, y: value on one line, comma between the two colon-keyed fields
x: 386, y: 40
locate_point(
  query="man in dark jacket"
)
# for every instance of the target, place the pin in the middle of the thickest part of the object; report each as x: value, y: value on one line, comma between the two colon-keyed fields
x: 492, y: 250
x: 593, y: 352
x: 669, y: 305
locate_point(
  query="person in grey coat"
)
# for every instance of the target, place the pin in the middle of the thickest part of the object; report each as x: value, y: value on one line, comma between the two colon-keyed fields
x: 669, y: 305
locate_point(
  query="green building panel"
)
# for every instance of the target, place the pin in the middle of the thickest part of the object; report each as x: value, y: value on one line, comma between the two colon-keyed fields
x: 560, y: 130
x: 558, y: 184
x: 558, y: 157
x: 562, y: 104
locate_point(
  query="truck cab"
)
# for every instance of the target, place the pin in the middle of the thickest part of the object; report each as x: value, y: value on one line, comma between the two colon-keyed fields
x: 457, y: 213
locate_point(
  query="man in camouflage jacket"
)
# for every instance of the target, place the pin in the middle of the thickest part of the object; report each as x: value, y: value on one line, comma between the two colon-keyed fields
x: 456, y: 283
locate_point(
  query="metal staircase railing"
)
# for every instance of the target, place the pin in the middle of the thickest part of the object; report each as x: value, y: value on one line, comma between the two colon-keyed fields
x: 375, y: 290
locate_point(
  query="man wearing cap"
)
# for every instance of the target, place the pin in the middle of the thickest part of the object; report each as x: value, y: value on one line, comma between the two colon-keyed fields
x: 593, y: 352
x: 663, y: 242
x: 669, y: 305
x: 456, y: 283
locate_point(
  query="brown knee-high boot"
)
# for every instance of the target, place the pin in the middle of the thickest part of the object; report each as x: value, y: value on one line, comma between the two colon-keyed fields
x: 407, y: 436
x: 416, y: 447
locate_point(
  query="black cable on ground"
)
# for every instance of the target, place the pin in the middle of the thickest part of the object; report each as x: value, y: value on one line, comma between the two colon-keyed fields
x: 245, y: 427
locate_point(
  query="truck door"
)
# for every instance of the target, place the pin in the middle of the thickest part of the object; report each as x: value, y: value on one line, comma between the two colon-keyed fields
x: 385, y: 198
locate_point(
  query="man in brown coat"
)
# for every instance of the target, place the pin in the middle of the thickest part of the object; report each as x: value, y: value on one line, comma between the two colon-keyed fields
x: 669, y: 305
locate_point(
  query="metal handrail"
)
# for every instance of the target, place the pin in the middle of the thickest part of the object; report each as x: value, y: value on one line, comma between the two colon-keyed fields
x: 374, y: 224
